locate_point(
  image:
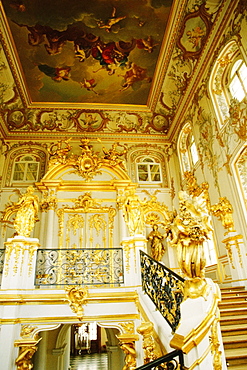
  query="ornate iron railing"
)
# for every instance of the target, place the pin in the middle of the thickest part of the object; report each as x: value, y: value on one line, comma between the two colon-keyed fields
x: 171, y: 361
x: 87, y: 266
x: 164, y: 287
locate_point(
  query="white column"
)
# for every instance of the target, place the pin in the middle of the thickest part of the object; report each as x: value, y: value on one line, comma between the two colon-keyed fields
x: 19, y: 263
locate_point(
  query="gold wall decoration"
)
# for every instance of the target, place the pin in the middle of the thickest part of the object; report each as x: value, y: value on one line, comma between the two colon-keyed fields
x: 49, y: 202
x: 189, y: 229
x: 128, y: 327
x: 86, y: 223
x: 89, y: 163
x: 26, y: 210
x: 223, y: 211
x: 77, y: 297
x: 196, y: 190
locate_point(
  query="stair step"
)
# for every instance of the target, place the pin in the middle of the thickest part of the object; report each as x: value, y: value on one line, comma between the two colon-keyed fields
x: 228, y: 330
x: 233, y: 311
x: 235, y: 341
x: 235, y: 320
x: 237, y: 367
x: 234, y: 298
x: 231, y: 304
x: 232, y: 288
x: 235, y: 356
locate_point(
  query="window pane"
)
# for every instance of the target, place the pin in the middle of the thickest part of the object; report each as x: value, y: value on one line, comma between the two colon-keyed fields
x: 243, y: 75
x: 194, y: 153
x: 236, y: 89
x: 19, y: 171
x: 32, y: 169
x: 142, y: 176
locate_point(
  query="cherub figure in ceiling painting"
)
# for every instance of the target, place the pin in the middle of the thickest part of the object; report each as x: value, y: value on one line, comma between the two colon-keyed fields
x: 111, y: 22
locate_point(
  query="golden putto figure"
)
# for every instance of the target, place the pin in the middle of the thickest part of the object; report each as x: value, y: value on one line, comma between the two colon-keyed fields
x: 26, y: 212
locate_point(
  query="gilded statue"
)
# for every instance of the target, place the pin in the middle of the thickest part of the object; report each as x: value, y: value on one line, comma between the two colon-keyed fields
x: 133, y: 213
x: 26, y: 212
x: 189, y: 229
x: 157, y: 246
x: 115, y: 156
x: 23, y: 361
x: 130, y: 355
x: 223, y: 210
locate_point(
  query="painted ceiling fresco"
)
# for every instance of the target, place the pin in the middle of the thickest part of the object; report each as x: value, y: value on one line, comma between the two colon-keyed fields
x: 103, y: 67
x: 83, y: 51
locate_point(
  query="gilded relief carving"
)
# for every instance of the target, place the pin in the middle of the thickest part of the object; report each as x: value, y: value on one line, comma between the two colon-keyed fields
x: 77, y: 297
x: 86, y: 223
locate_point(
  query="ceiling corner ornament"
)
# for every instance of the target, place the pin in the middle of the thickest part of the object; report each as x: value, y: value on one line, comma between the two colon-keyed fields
x: 192, y: 39
x: 77, y: 297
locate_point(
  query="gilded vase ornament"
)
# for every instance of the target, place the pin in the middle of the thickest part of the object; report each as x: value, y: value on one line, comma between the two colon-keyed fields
x: 189, y: 229
x: 26, y: 213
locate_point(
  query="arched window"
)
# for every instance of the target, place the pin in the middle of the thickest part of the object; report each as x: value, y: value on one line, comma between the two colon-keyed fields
x: 25, y: 169
x: 241, y: 167
x: 228, y: 81
x: 187, y: 150
x: 148, y: 170
x: 24, y: 166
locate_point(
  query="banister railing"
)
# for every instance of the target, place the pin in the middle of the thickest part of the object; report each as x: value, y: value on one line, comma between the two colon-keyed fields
x: 164, y: 287
x: 88, y: 266
x: 171, y: 361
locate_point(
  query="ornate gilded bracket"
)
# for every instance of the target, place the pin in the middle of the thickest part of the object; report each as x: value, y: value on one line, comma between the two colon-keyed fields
x: 77, y: 297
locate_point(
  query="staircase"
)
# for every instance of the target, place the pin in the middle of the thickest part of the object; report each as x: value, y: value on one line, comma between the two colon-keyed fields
x: 233, y: 323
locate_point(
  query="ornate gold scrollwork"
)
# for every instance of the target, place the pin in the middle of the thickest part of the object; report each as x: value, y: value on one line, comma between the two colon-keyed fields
x: 146, y: 329
x: 215, y: 345
x: 89, y: 163
x: 77, y: 297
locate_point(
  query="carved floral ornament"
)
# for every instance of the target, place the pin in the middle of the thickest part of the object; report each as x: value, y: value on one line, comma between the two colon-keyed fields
x: 89, y: 163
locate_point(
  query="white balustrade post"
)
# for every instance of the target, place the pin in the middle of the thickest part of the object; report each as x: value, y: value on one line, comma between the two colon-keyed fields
x: 19, y: 263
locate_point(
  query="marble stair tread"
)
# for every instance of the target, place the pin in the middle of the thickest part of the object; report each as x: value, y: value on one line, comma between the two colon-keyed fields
x: 234, y: 329
x: 236, y: 353
x: 237, y: 367
x: 235, y: 338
